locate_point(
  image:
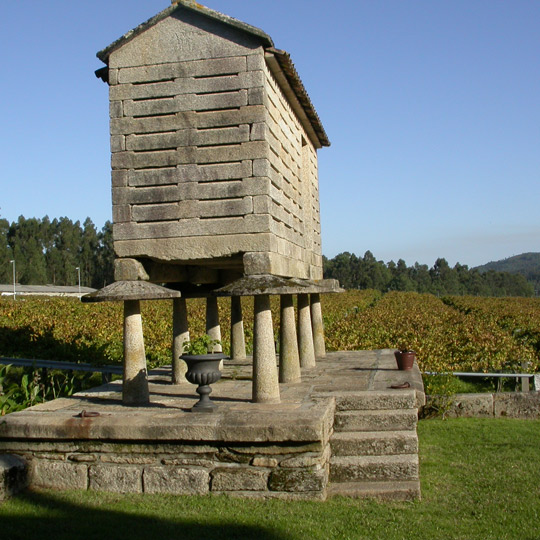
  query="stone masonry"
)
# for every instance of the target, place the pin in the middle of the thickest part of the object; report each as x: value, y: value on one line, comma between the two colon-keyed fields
x: 214, y: 151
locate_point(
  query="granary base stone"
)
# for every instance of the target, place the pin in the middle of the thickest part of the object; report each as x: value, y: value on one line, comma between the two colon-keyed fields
x: 13, y: 475
x: 294, y: 449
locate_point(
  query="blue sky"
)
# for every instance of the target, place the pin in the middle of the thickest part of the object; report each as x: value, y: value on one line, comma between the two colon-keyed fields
x: 432, y: 108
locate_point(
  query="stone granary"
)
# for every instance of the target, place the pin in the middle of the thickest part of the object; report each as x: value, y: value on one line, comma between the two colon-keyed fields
x: 214, y: 145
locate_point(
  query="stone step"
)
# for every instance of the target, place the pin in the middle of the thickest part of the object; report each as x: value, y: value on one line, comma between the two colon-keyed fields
x: 374, y: 443
x: 377, y: 420
x: 13, y: 475
x: 376, y: 400
x: 373, y: 468
x: 400, y: 490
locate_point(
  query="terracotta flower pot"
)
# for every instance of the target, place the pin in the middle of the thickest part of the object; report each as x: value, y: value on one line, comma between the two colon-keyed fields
x: 405, y: 359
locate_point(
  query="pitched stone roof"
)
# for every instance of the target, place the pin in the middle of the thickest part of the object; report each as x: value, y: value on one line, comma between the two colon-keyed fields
x: 283, y: 59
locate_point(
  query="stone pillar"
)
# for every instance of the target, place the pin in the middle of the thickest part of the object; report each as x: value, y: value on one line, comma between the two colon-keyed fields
x: 135, y: 384
x: 289, y: 361
x: 305, y: 333
x: 317, y: 325
x: 238, y: 341
x: 212, y: 323
x: 180, y: 336
x: 265, y: 375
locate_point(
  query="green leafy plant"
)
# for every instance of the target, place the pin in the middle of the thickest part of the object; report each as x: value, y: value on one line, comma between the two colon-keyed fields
x: 440, y: 391
x: 200, y: 345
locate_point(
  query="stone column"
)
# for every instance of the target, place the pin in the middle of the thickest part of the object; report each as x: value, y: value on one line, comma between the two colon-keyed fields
x: 238, y: 341
x: 317, y: 325
x: 305, y: 333
x: 180, y: 336
x: 212, y: 323
x: 289, y: 361
x: 135, y: 384
x: 265, y: 375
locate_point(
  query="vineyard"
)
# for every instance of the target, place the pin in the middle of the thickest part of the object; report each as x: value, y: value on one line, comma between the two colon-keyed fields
x: 458, y: 333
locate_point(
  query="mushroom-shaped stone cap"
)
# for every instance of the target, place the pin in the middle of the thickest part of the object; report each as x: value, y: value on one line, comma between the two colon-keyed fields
x: 269, y: 284
x: 130, y: 290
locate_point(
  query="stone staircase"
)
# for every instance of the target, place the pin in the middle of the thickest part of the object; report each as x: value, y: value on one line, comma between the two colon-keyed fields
x: 375, y: 445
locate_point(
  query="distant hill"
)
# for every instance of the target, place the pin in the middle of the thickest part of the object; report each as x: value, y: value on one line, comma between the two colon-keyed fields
x: 526, y: 264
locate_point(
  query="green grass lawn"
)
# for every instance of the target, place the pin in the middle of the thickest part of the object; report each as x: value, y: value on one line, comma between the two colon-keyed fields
x: 480, y: 480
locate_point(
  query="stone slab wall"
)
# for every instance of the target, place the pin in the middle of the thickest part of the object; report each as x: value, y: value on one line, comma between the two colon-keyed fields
x: 293, y: 200
x: 207, y: 156
x: 294, y: 471
x: 525, y: 405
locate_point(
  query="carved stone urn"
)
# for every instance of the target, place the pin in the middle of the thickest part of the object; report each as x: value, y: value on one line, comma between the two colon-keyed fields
x: 203, y: 370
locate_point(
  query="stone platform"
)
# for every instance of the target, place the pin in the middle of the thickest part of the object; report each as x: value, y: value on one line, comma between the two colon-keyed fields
x: 342, y: 430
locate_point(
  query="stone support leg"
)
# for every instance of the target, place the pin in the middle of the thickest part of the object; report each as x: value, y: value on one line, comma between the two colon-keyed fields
x: 317, y: 326
x: 305, y: 333
x: 289, y: 361
x: 265, y: 375
x: 238, y: 341
x: 180, y: 336
x: 212, y: 323
x: 135, y: 384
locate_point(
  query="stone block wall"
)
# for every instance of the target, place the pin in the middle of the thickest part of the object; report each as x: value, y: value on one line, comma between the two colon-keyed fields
x: 290, y: 471
x: 294, y: 191
x: 209, y: 160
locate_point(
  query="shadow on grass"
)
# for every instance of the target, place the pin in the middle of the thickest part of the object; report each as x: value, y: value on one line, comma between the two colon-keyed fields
x: 53, y: 517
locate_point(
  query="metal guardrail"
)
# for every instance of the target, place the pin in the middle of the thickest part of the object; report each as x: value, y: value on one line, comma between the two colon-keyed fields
x: 106, y: 371
x: 522, y: 376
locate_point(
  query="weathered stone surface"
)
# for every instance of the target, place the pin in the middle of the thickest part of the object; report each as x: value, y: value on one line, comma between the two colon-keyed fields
x: 517, y: 405
x: 120, y: 479
x: 82, y: 458
x: 13, y: 475
x: 317, y: 325
x: 176, y: 480
x: 58, y: 475
x: 128, y: 459
x: 130, y: 291
x: 192, y: 461
x: 289, y: 360
x: 395, y: 420
x: 298, y: 480
x: 373, y: 443
x: 265, y: 372
x: 468, y: 405
x: 166, y: 436
x: 200, y: 68
x: 154, y: 45
x: 187, y: 85
x: 308, y: 460
x: 129, y: 270
x: 349, y: 468
x: 306, y: 348
x: 239, y: 479
x: 264, y: 461
x: 231, y: 233
x: 396, y: 490
x: 389, y: 399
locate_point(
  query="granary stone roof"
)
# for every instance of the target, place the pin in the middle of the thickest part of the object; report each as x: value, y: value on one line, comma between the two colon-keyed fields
x: 288, y: 76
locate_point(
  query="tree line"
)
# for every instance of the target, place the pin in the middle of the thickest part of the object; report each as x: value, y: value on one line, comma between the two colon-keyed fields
x: 49, y: 252
x: 367, y: 273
